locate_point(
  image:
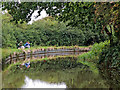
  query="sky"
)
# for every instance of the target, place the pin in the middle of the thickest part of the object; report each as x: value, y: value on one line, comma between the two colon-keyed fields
x: 43, y: 15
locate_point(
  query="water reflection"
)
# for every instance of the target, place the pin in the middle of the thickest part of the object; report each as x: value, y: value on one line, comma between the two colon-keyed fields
x: 50, y: 55
x: 58, y: 73
x: 29, y: 83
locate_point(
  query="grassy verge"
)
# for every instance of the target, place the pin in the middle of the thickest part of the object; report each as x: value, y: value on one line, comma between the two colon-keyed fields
x: 91, y: 58
x: 93, y: 54
x: 7, y: 51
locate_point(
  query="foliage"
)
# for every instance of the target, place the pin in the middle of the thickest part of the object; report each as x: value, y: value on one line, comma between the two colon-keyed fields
x: 6, y: 52
x: 25, y: 9
x: 109, y: 64
x: 47, y: 32
x: 92, y: 57
x: 109, y: 15
x: 93, y: 54
x: 78, y: 14
x: 110, y: 57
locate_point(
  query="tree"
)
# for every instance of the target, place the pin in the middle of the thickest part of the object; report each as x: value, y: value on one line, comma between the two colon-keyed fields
x: 77, y: 14
x: 74, y: 12
x: 109, y: 15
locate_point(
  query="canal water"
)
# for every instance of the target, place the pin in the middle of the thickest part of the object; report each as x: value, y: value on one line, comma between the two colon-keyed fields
x: 54, y: 73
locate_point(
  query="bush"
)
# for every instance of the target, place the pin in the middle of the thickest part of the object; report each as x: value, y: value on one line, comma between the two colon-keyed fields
x: 93, y: 54
x: 109, y: 64
x: 48, y: 32
x: 110, y: 57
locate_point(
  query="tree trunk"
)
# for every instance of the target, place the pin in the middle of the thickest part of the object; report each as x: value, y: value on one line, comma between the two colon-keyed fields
x: 110, y: 36
x: 111, y: 41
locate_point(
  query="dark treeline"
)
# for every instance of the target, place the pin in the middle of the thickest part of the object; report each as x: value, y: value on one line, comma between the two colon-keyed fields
x: 48, y: 32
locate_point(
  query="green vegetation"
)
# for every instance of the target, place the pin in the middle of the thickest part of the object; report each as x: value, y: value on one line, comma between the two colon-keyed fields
x: 91, y: 58
x: 108, y: 53
x: 110, y: 58
x: 78, y: 24
x: 93, y: 54
x: 47, y: 32
x: 6, y: 52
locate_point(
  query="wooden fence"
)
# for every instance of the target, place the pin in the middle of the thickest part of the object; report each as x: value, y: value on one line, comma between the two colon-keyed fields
x: 43, y: 53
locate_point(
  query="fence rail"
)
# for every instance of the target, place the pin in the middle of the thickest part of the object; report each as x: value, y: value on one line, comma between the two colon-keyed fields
x: 42, y: 53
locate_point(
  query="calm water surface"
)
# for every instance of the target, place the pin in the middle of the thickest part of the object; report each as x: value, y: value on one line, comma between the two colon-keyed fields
x: 29, y: 83
x: 71, y: 78
x: 77, y: 77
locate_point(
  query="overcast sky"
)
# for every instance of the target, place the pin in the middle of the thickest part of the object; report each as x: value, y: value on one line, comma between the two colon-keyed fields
x: 43, y: 15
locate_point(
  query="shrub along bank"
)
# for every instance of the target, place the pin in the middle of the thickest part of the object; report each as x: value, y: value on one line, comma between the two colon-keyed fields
x: 110, y: 57
x: 91, y: 58
x: 109, y: 64
x: 47, y: 32
x: 93, y: 54
x: 106, y: 59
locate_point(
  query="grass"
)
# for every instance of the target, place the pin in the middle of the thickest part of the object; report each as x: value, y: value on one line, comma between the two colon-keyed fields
x: 92, y: 66
x: 7, y: 51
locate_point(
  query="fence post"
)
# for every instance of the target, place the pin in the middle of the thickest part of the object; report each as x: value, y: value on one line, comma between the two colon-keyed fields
x: 10, y: 58
x: 31, y: 54
x: 24, y: 55
x: 17, y: 57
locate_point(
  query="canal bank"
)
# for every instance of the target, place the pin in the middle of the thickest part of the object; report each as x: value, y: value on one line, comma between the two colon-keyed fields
x: 85, y: 62
x: 40, y: 53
